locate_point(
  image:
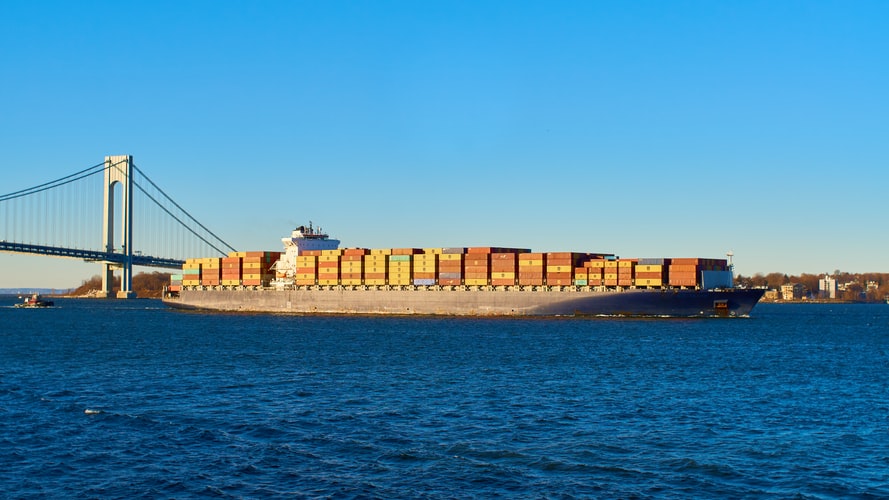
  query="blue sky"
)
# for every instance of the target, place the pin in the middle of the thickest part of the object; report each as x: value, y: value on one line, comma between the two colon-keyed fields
x: 646, y: 129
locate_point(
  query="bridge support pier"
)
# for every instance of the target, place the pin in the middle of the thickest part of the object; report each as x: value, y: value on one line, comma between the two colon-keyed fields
x: 118, y: 169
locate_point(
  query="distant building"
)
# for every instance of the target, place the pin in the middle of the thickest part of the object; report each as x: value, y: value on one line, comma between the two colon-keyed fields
x: 827, y: 287
x: 793, y: 291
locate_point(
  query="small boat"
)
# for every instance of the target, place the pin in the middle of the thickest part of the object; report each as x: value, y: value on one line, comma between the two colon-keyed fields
x: 35, y: 301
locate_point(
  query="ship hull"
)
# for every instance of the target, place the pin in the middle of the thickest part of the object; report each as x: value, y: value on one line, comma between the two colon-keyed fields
x: 475, y: 302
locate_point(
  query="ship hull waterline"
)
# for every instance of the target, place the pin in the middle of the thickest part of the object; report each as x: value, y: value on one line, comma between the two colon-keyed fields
x: 682, y: 303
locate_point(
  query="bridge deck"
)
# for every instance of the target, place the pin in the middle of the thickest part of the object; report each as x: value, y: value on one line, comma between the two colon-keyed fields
x: 90, y: 255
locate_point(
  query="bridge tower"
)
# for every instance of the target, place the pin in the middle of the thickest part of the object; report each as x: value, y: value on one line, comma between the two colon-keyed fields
x: 118, y: 170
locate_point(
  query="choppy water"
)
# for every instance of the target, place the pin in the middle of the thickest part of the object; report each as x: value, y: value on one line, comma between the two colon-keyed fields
x: 115, y: 399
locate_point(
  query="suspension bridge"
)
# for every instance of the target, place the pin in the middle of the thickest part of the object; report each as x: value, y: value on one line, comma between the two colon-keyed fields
x: 110, y: 213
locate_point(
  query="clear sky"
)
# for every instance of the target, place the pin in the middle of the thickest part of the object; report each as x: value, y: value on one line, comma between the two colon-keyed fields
x: 645, y: 128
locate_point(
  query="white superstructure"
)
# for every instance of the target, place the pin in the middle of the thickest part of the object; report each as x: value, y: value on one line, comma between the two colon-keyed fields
x: 301, y: 239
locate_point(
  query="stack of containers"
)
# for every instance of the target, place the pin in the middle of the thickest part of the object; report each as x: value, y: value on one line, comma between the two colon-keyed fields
x: 231, y: 270
x: 211, y: 268
x: 687, y: 271
x: 626, y: 269
x: 610, y: 273
x: 560, y: 267
x: 425, y: 266
x: 652, y: 272
x: 531, y: 268
x: 352, y: 266
x: 191, y: 272
x: 400, y: 265
x: 477, y: 266
x: 175, y: 282
x: 581, y: 276
x: 504, y: 268
x: 376, y: 266
x: 306, y: 272
x: 595, y: 270
x: 256, y: 267
x: 450, y: 266
x: 329, y: 267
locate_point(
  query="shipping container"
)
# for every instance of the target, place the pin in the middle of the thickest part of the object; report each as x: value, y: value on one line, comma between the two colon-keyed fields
x: 476, y: 281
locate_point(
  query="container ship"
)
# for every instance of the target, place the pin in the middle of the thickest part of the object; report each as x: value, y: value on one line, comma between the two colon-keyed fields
x: 313, y: 275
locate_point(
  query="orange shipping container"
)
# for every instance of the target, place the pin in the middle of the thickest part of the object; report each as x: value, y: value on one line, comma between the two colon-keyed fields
x: 530, y: 281
x: 558, y: 276
x: 559, y: 281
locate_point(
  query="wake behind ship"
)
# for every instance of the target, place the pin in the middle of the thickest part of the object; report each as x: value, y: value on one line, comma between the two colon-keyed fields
x: 314, y: 276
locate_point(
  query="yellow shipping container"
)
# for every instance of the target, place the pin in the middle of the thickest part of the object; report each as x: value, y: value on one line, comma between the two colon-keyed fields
x: 231, y: 282
x: 559, y: 269
x: 328, y: 281
x: 626, y: 263
x: 611, y: 276
x: 381, y: 251
x: 649, y: 282
x: 506, y: 276
x: 450, y: 257
x: 609, y: 264
x: 375, y: 282
x: 376, y: 269
x: 475, y: 281
x: 191, y: 265
x: 336, y: 252
x: 191, y: 282
x: 305, y: 276
x: 596, y: 264
x: 351, y: 281
x: 649, y: 268
x: 328, y: 257
x: 252, y: 265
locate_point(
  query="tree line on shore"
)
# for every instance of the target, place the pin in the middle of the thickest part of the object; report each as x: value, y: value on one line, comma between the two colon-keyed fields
x: 146, y: 285
x: 868, y: 287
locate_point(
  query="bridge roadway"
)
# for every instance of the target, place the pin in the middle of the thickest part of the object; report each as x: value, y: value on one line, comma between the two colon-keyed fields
x: 90, y: 255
